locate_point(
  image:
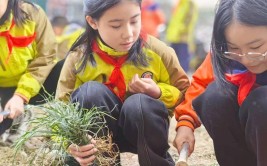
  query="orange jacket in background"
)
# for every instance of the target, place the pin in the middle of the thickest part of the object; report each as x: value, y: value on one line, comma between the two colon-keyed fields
x: 152, y: 17
x: 184, y: 113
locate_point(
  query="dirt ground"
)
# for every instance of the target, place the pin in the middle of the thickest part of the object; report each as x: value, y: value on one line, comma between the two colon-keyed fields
x: 202, y: 156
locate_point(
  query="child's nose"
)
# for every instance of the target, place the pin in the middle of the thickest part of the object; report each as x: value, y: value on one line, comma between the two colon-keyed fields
x: 128, y: 32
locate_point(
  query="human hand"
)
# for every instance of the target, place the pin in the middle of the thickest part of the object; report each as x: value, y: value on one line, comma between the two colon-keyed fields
x: 16, y: 107
x: 83, y: 154
x: 184, y: 134
x: 144, y: 85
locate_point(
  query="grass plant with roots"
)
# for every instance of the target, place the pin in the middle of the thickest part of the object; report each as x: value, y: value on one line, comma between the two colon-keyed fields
x: 62, y: 124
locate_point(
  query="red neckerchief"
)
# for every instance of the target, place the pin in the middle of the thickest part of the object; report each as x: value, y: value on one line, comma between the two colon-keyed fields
x: 21, y: 41
x: 245, y: 81
x: 116, y: 78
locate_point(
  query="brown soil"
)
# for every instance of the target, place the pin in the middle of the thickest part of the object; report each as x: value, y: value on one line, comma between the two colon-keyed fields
x: 202, y: 156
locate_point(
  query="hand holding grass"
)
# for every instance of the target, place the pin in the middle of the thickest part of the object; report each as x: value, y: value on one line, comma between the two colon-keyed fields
x: 85, y: 155
x: 66, y: 127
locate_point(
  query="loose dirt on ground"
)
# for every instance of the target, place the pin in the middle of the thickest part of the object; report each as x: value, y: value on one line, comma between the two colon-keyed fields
x: 202, y: 156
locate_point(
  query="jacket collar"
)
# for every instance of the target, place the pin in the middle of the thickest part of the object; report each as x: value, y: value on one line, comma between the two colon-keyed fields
x: 7, y: 24
x: 110, y: 51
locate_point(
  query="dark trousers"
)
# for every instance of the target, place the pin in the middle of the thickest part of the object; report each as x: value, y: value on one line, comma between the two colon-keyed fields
x: 141, y: 124
x: 182, y: 51
x: 239, y: 133
x: 49, y: 87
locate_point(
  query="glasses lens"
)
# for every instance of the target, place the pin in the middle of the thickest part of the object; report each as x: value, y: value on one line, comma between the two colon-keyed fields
x: 231, y: 55
x: 250, y: 56
x: 255, y: 56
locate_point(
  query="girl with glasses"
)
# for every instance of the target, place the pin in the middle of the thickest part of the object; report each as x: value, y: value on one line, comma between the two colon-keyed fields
x: 229, y: 90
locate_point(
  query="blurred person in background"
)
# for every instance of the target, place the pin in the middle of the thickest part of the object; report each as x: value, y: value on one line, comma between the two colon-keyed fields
x: 66, y: 34
x: 180, y: 31
x: 59, y: 23
x: 153, y: 19
x: 71, y: 9
x: 199, y: 55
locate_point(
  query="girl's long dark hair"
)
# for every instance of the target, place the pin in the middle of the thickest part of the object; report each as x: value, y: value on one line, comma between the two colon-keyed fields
x: 19, y: 15
x: 95, y: 9
x: 247, y: 12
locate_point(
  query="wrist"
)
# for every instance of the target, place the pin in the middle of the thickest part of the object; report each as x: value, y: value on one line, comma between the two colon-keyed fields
x: 22, y: 97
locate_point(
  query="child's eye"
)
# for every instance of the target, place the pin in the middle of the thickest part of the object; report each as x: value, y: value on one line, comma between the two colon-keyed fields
x: 115, y: 27
x: 233, y: 48
x: 255, y: 48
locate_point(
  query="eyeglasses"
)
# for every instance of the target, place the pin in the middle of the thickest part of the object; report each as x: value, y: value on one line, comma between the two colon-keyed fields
x: 250, y: 55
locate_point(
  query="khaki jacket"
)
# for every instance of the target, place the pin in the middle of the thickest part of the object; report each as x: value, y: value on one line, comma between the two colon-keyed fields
x: 27, y: 67
x: 164, y: 69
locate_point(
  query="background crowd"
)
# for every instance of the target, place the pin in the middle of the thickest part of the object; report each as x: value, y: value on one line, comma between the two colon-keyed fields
x: 159, y: 18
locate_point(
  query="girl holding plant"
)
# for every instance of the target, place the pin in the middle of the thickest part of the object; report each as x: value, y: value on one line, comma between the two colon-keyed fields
x: 132, y: 76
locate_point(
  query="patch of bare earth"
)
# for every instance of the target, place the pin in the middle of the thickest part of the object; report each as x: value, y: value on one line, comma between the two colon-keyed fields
x: 202, y: 156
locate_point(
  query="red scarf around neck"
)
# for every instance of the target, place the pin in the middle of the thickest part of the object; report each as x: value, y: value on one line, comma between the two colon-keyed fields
x: 21, y: 41
x: 245, y: 81
x: 116, y: 78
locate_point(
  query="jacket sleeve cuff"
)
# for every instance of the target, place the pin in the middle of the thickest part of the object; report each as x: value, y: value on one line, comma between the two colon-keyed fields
x: 169, y: 95
x: 23, y: 94
x: 185, y: 123
x: 186, y: 120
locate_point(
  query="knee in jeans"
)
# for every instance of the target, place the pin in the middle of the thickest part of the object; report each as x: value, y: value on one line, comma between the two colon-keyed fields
x: 131, y: 106
x: 256, y: 100
x: 218, y: 96
x: 88, y: 92
x: 215, y: 105
x: 143, y: 106
x: 259, y: 95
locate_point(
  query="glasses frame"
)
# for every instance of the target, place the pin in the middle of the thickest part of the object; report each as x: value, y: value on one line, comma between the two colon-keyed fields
x: 261, y: 56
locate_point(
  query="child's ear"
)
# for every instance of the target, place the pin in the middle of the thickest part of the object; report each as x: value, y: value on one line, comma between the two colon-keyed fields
x: 91, y: 22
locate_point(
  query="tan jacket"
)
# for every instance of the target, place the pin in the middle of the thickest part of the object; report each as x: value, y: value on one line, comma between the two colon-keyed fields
x: 27, y: 67
x: 164, y: 69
